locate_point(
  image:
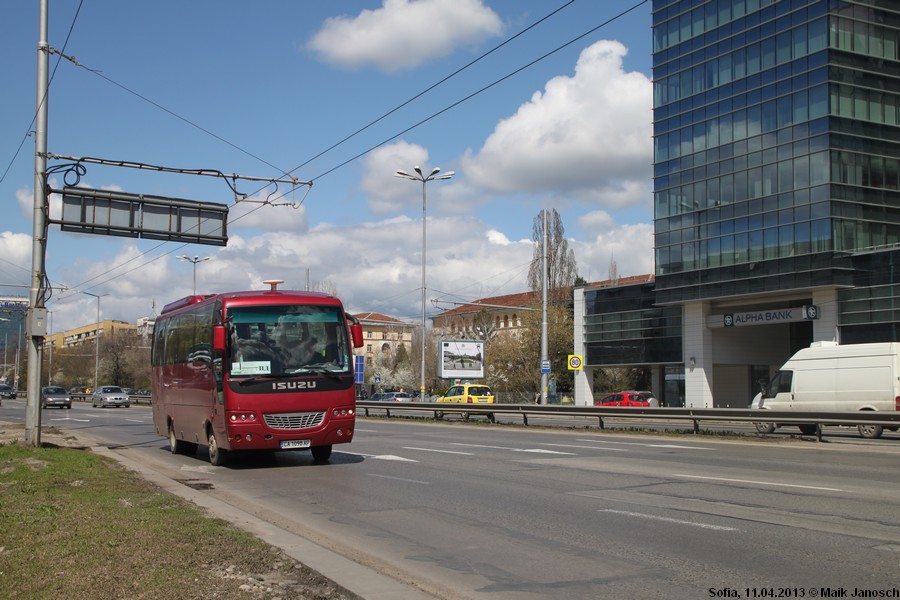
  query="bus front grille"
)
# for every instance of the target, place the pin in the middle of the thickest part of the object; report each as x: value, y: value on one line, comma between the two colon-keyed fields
x: 294, y: 420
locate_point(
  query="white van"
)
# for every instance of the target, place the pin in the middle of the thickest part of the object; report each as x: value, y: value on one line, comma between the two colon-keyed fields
x: 830, y: 378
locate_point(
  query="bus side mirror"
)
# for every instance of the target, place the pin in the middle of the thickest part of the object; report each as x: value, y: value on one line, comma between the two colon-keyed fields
x: 357, y: 335
x: 219, y: 338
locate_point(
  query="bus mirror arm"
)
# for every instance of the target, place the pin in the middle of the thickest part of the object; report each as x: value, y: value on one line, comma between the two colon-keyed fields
x: 219, y: 338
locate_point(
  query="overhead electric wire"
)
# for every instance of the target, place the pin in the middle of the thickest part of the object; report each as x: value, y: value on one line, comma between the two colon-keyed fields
x: 479, y: 91
x: 433, y: 86
x: 393, y: 137
x: 44, y: 98
x: 333, y: 146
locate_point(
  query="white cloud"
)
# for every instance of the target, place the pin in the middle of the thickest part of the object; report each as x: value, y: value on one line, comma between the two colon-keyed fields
x: 630, y: 246
x: 404, y: 33
x: 588, y: 135
x: 596, y: 220
x: 284, y: 214
x: 15, y: 259
x: 390, y: 195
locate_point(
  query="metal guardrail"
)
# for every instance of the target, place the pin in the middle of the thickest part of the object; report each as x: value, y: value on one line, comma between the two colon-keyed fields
x: 134, y: 399
x: 886, y: 419
x: 693, y: 415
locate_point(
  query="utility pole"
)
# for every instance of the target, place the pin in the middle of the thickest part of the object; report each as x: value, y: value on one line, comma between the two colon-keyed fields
x: 36, y: 308
x: 544, y: 342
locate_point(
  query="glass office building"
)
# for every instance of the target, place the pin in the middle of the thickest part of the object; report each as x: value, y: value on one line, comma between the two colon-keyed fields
x: 776, y: 129
x: 776, y: 142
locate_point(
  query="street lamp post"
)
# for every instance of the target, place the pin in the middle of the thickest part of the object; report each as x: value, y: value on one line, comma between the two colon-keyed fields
x: 193, y: 261
x: 97, y: 340
x: 3, y: 377
x: 420, y: 177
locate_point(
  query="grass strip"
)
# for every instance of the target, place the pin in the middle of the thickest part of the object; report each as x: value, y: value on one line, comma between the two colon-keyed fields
x: 74, y: 525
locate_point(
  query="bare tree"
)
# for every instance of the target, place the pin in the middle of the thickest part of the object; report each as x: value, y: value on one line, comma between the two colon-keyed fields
x: 561, y: 267
x: 613, y: 270
x: 326, y: 286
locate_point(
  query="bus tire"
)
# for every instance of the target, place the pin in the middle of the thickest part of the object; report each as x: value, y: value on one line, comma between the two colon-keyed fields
x: 217, y: 456
x: 870, y: 431
x: 765, y: 427
x: 321, y: 453
x: 177, y: 446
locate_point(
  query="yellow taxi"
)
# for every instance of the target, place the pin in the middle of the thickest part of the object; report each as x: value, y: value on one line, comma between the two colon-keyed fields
x: 467, y: 393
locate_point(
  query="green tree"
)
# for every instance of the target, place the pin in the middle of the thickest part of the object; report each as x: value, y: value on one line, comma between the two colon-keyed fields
x: 514, y: 363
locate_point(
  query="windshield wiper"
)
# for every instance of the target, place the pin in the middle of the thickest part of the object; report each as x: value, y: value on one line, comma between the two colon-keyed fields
x: 257, y: 378
x: 330, y: 370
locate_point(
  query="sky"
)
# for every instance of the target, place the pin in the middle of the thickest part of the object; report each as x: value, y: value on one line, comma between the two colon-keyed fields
x: 532, y: 104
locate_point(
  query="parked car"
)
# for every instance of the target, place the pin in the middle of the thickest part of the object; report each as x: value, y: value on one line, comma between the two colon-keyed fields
x: 110, y: 395
x: 6, y: 391
x: 628, y: 398
x: 467, y: 393
x: 80, y: 389
x: 54, y: 395
x: 390, y: 397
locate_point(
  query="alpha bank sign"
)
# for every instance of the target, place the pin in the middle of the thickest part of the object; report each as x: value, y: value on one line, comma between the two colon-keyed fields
x: 772, y: 316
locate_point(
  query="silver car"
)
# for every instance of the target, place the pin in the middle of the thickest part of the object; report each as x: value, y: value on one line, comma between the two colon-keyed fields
x: 54, y: 395
x: 110, y: 395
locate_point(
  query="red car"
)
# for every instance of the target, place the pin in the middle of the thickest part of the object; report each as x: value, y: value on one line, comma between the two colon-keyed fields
x: 635, y: 399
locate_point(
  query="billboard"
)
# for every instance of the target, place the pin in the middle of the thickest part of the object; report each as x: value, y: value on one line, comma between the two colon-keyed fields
x: 461, y: 359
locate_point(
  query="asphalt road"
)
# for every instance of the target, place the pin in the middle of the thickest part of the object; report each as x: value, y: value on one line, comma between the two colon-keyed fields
x: 462, y: 511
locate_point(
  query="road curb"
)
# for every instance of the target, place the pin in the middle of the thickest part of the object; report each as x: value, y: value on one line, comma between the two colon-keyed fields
x: 360, y: 580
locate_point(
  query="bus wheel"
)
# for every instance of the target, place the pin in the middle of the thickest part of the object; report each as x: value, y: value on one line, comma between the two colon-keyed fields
x: 765, y: 427
x: 870, y: 431
x: 177, y: 446
x: 321, y: 453
x: 217, y: 456
x: 807, y: 429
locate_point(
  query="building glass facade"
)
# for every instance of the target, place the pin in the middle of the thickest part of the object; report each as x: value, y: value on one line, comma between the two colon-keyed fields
x: 776, y: 144
x: 623, y: 326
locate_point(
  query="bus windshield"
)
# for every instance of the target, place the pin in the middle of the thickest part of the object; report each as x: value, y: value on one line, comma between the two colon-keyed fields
x: 287, y: 339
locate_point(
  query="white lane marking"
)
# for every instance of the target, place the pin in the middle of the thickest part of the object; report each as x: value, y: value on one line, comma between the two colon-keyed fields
x: 70, y: 419
x: 399, y: 478
x: 668, y: 519
x: 534, y: 450
x: 646, y: 444
x: 588, y: 447
x: 381, y: 456
x: 436, y: 450
x: 772, y: 483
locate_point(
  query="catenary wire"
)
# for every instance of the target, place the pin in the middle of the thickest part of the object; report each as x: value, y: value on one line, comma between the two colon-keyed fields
x: 410, y: 128
x: 44, y: 98
x: 333, y: 146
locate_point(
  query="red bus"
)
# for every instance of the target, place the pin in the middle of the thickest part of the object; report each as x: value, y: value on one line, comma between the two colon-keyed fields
x: 269, y: 370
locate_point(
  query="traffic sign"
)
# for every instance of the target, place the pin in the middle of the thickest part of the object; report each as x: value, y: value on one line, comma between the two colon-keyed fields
x: 359, y: 370
x: 545, y: 366
x: 575, y: 362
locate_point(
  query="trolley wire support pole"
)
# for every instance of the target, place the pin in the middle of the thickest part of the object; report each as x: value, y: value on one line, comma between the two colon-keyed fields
x: 38, y: 276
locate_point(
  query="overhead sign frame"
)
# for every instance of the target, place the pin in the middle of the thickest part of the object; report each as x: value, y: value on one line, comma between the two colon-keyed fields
x: 86, y: 210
